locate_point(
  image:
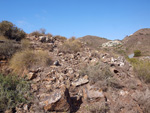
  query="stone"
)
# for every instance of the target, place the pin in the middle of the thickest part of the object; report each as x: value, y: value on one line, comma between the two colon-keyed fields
x: 70, y: 70
x: 48, y: 87
x: 123, y: 93
x: 58, y: 101
x: 34, y: 87
x: 60, y: 54
x: 80, y: 81
x: 94, y: 94
x: 37, y: 79
x: 56, y: 63
x: 25, y: 107
x: 45, y: 39
x: 31, y: 76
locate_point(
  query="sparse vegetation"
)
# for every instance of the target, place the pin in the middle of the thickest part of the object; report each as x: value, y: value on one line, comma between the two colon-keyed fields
x: 95, y: 54
x: 49, y: 35
x: 97, y: 108
x: 13, y: 91
x: 28, y: 58
x: 61, y: 38
x: 36, y: 33
x: 10, y: 31
x: 142, y: 69
x: 42, y: 31
x: 97, y: 72
x: 71, y: 46
x: 7, y: 49
x: 143, y: 99
x: 25, y: 44
x: 137, y: 53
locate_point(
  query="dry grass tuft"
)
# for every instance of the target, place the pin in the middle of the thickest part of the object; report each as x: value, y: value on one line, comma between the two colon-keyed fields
x: 27, y: 59
x: 25, y: 44
x: 71, y: 46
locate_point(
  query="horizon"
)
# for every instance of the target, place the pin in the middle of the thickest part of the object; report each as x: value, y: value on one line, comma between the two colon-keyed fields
x: 107, y: 19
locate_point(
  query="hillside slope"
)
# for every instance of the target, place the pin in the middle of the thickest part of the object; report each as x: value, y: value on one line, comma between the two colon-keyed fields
x: 93, y: 41
x: 139, y: 40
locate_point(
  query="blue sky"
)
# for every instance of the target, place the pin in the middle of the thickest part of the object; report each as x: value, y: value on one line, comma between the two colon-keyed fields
x: 112, y: 19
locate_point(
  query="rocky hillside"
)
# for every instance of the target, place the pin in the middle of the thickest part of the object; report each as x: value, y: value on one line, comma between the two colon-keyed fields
x: 140, y: 40
x: 81, y: 80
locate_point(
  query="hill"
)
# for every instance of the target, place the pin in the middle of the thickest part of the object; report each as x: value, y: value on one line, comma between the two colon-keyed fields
x: 93, y: 41
x: 140, y: 40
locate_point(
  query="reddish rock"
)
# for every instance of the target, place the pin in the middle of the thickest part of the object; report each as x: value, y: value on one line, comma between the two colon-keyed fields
x: 58, y: 101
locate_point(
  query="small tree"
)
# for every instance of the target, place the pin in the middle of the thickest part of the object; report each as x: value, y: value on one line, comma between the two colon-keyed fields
x: 10, y: 31
x: 137, y: 53
x: 42, y: 31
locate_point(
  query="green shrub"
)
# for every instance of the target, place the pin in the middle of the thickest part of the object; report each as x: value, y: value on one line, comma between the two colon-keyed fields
x: 142, y: 69
x: 13, y: 91
x: 27, y: 59
x: 71, y: 46
x: 137, y: 53
x: 10, y: 31
x: 7, y: 49
x: 133, y: 60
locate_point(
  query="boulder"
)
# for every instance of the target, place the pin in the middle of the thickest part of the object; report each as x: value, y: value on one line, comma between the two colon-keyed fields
x: 80, y: 81
x: 46, y: 39
x: 56, y: 63
x: 58, y: 101
x: 31, y: 76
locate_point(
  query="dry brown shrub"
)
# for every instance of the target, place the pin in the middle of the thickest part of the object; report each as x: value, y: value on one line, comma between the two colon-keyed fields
x: 71, y: 46
x: 61, y: 38
x: 27, y: 59
x: 25, y: 44
x: 36, y: 33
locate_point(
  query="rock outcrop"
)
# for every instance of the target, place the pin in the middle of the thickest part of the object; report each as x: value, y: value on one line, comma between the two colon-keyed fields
x: 112, y: 43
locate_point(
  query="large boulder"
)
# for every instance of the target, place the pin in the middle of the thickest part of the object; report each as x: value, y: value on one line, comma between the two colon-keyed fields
x: 46, y: 39
x: 80, y: 81
x: 58, y: 101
